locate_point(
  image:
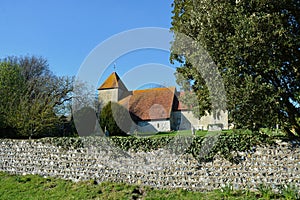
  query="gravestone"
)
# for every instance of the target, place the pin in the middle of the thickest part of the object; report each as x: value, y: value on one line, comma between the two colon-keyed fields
x: 215, y: 127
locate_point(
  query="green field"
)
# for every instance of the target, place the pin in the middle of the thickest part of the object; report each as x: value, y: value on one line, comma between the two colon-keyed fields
x: 35, y: 187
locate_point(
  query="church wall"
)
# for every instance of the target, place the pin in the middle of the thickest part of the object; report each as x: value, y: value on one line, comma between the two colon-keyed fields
x: 209, y: 119
x: 182, y: 120
x: 114, y: 95
x: 189, y: 116
x: 176, y: 120
x: 105, y: 96
x: 122, y: 94
x: 154, y: 126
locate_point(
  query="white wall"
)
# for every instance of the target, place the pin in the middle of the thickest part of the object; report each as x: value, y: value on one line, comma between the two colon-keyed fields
x: 154, y: 126
x: 182, y: 120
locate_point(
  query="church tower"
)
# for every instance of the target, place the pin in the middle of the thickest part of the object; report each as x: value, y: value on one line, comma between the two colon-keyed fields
x: 113, y: 89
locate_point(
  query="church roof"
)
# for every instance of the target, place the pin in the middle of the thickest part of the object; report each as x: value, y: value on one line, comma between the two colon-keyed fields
x: 150, y: 104
x: 113, y: 81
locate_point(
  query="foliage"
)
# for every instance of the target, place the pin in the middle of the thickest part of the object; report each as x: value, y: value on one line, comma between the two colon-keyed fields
x: 202, y: 148
x: 31, y: 117
x: 31, y: 97
x: 115, y: 119
x: 227, y: 145
x: 66, y: 127
x: 11, y: 85
x: 65, y: 143
x: 141, y: 143
x: 273, y: 132
x: 255, y: 46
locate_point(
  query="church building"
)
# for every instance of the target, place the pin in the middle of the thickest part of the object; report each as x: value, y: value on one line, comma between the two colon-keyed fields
x: 155, y: 109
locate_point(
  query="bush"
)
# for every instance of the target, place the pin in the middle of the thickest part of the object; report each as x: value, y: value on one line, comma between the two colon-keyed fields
x: 115, y: 119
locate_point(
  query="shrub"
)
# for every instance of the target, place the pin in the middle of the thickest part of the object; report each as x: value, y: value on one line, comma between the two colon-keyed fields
x: 115, y: 119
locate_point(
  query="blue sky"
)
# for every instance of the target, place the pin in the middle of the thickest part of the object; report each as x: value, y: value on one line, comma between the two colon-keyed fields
x: 66, y: 31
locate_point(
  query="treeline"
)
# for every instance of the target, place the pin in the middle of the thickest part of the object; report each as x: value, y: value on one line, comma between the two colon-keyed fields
x: 33, y: 101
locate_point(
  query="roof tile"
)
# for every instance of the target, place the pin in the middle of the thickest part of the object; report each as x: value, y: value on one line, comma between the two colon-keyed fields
x: 150, y: 104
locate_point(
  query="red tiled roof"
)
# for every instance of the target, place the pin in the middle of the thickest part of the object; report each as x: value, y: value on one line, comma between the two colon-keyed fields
x: 113, y: 81
x: 150, y: 104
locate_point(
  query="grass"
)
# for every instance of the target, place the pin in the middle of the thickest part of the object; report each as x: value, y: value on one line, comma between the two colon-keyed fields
x: 181, y: 133
x: 36, y: 187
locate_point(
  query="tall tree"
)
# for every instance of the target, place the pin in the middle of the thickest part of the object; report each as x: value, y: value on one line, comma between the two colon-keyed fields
x: 12, y: 85
x: 256, y: 47
x: 31, y: 95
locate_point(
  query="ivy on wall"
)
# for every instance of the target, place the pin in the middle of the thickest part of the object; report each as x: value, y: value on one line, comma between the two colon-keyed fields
x: 204, y: 149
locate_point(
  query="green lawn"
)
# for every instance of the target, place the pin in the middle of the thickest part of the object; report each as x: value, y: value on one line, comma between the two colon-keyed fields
x: 36, y: 187
x: 269, y: 132
x: 182, y: 132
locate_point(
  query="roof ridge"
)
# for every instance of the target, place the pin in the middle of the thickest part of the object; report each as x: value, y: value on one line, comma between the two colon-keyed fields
x: 148, y: 89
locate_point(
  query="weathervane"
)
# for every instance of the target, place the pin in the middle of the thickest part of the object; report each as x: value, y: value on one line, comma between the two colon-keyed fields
x: 115, y: 67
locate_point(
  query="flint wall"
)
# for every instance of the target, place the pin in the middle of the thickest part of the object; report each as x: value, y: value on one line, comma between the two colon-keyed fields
x: 270, y: 165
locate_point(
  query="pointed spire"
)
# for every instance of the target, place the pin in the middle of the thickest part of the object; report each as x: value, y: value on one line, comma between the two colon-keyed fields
x: 113, y: 81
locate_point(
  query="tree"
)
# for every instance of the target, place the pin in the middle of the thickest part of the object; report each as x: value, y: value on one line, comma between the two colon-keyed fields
x: 67, y: 127
x: 83, y: 95
x: 12, y: 85
x: 115, y: 119
x: 32, y: 96
x: 255, y: 46
x: 40, y: 80
x: 85, y: 121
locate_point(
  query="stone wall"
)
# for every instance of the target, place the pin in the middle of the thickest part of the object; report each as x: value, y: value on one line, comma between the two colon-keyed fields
x: 270, y: 165
x: 107, y: 95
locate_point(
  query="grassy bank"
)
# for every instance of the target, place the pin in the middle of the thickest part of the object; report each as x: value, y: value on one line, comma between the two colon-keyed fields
x: 36, y: 187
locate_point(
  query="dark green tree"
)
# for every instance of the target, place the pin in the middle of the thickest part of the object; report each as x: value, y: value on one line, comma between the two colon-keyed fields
x: 256, y: 48
x: 115, y: 119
